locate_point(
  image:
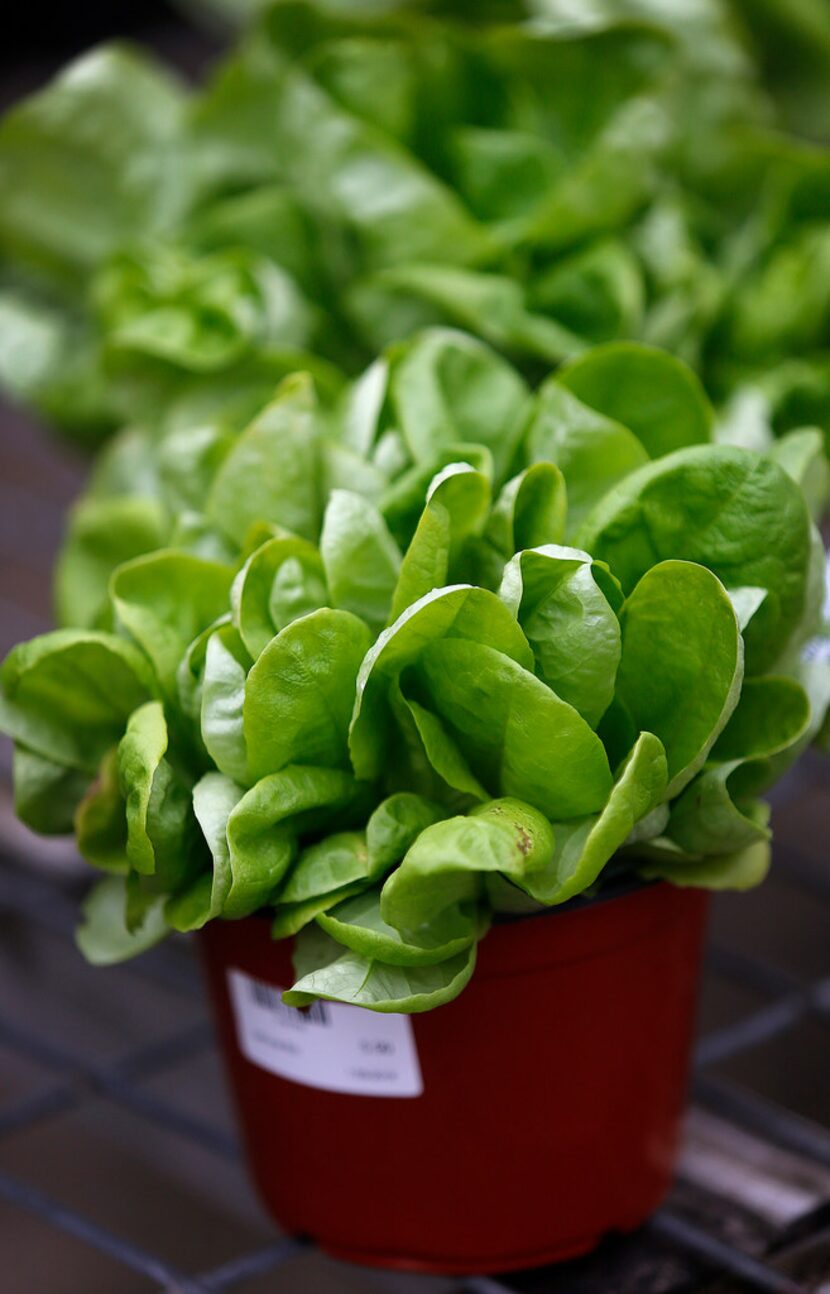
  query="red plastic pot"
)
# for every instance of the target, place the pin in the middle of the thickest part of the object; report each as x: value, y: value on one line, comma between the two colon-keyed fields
x: 549, y: 1094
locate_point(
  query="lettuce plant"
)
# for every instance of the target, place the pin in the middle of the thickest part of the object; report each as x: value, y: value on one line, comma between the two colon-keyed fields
x: 351, y: 175
x: 444, y: 647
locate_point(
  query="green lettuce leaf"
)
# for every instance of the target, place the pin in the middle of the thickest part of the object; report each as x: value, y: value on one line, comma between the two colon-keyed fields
x: 201, y: 314
x: 457, y: 612
x: 584, y: 846
x: 718, y: 813
x: 519, y: 738
x: 300, y: 690
x: 162, y: 841
x: 166, y: 599
x: 446, y: 869
x: 733, y: 511
x: 104, y: 937
x: 263, y: 827
x: 802, y: 455
x: 439, y: 748
x: 357, y: 924
x: 561, y: 605
x: 51, y: 361
x: 223, y: 698
x: 392, y: 205
x: 344, y: 976
x: 360, y: 557
x: 92, y: 161
x: 100, y: 820
x: 657, y: 398
x: 592, y: 452
x: 681, y: 667
x: 291, y: 918
x: 67, y: 695
x: 447, y: 388
x: 103, y: 533
x: 281, y: 581
x: 395, y: 825
x: 270, y: 474
x: 339, y: 860
x: 46, y: 794
x: 492, y: 305
x: 214, y: 796
x: 456, y: 507
x: 742, y: 870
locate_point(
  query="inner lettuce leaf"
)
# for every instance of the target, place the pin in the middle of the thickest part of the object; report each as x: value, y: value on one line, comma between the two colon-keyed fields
x: 681, y: 666
x: 360, y: 557
x: 517, y: 735
x: 569, y: 622
x: 457, y: 506
x: 299, y: 693
x: 283, y: 579
x: 462, y: 612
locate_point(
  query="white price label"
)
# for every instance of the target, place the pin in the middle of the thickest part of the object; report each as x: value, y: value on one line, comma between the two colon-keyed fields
x: 327, y: 1045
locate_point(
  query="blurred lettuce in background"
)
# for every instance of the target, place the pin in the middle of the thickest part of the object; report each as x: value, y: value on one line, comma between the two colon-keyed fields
x: 547, y: 176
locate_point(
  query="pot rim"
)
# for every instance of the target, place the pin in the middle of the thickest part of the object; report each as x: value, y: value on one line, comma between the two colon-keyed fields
x: 619, y: 887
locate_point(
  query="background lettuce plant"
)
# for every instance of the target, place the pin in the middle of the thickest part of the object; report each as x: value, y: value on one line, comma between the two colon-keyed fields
x: 441, y: 647
x: 351, y: 174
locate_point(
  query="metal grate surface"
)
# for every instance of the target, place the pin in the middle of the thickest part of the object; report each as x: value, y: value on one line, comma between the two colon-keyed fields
x: 752, y: 1204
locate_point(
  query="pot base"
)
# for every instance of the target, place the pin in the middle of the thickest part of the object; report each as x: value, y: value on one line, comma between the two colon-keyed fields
x: 438, y: 1266
x: 563, y: 1251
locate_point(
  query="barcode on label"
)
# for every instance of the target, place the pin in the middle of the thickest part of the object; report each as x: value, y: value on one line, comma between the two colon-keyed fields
x: 817, y: 649
x: 328, y: 1045
x: 270, y: 999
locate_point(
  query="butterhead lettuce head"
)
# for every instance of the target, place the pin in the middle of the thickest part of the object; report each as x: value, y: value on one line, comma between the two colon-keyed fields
x: 389, y: 663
